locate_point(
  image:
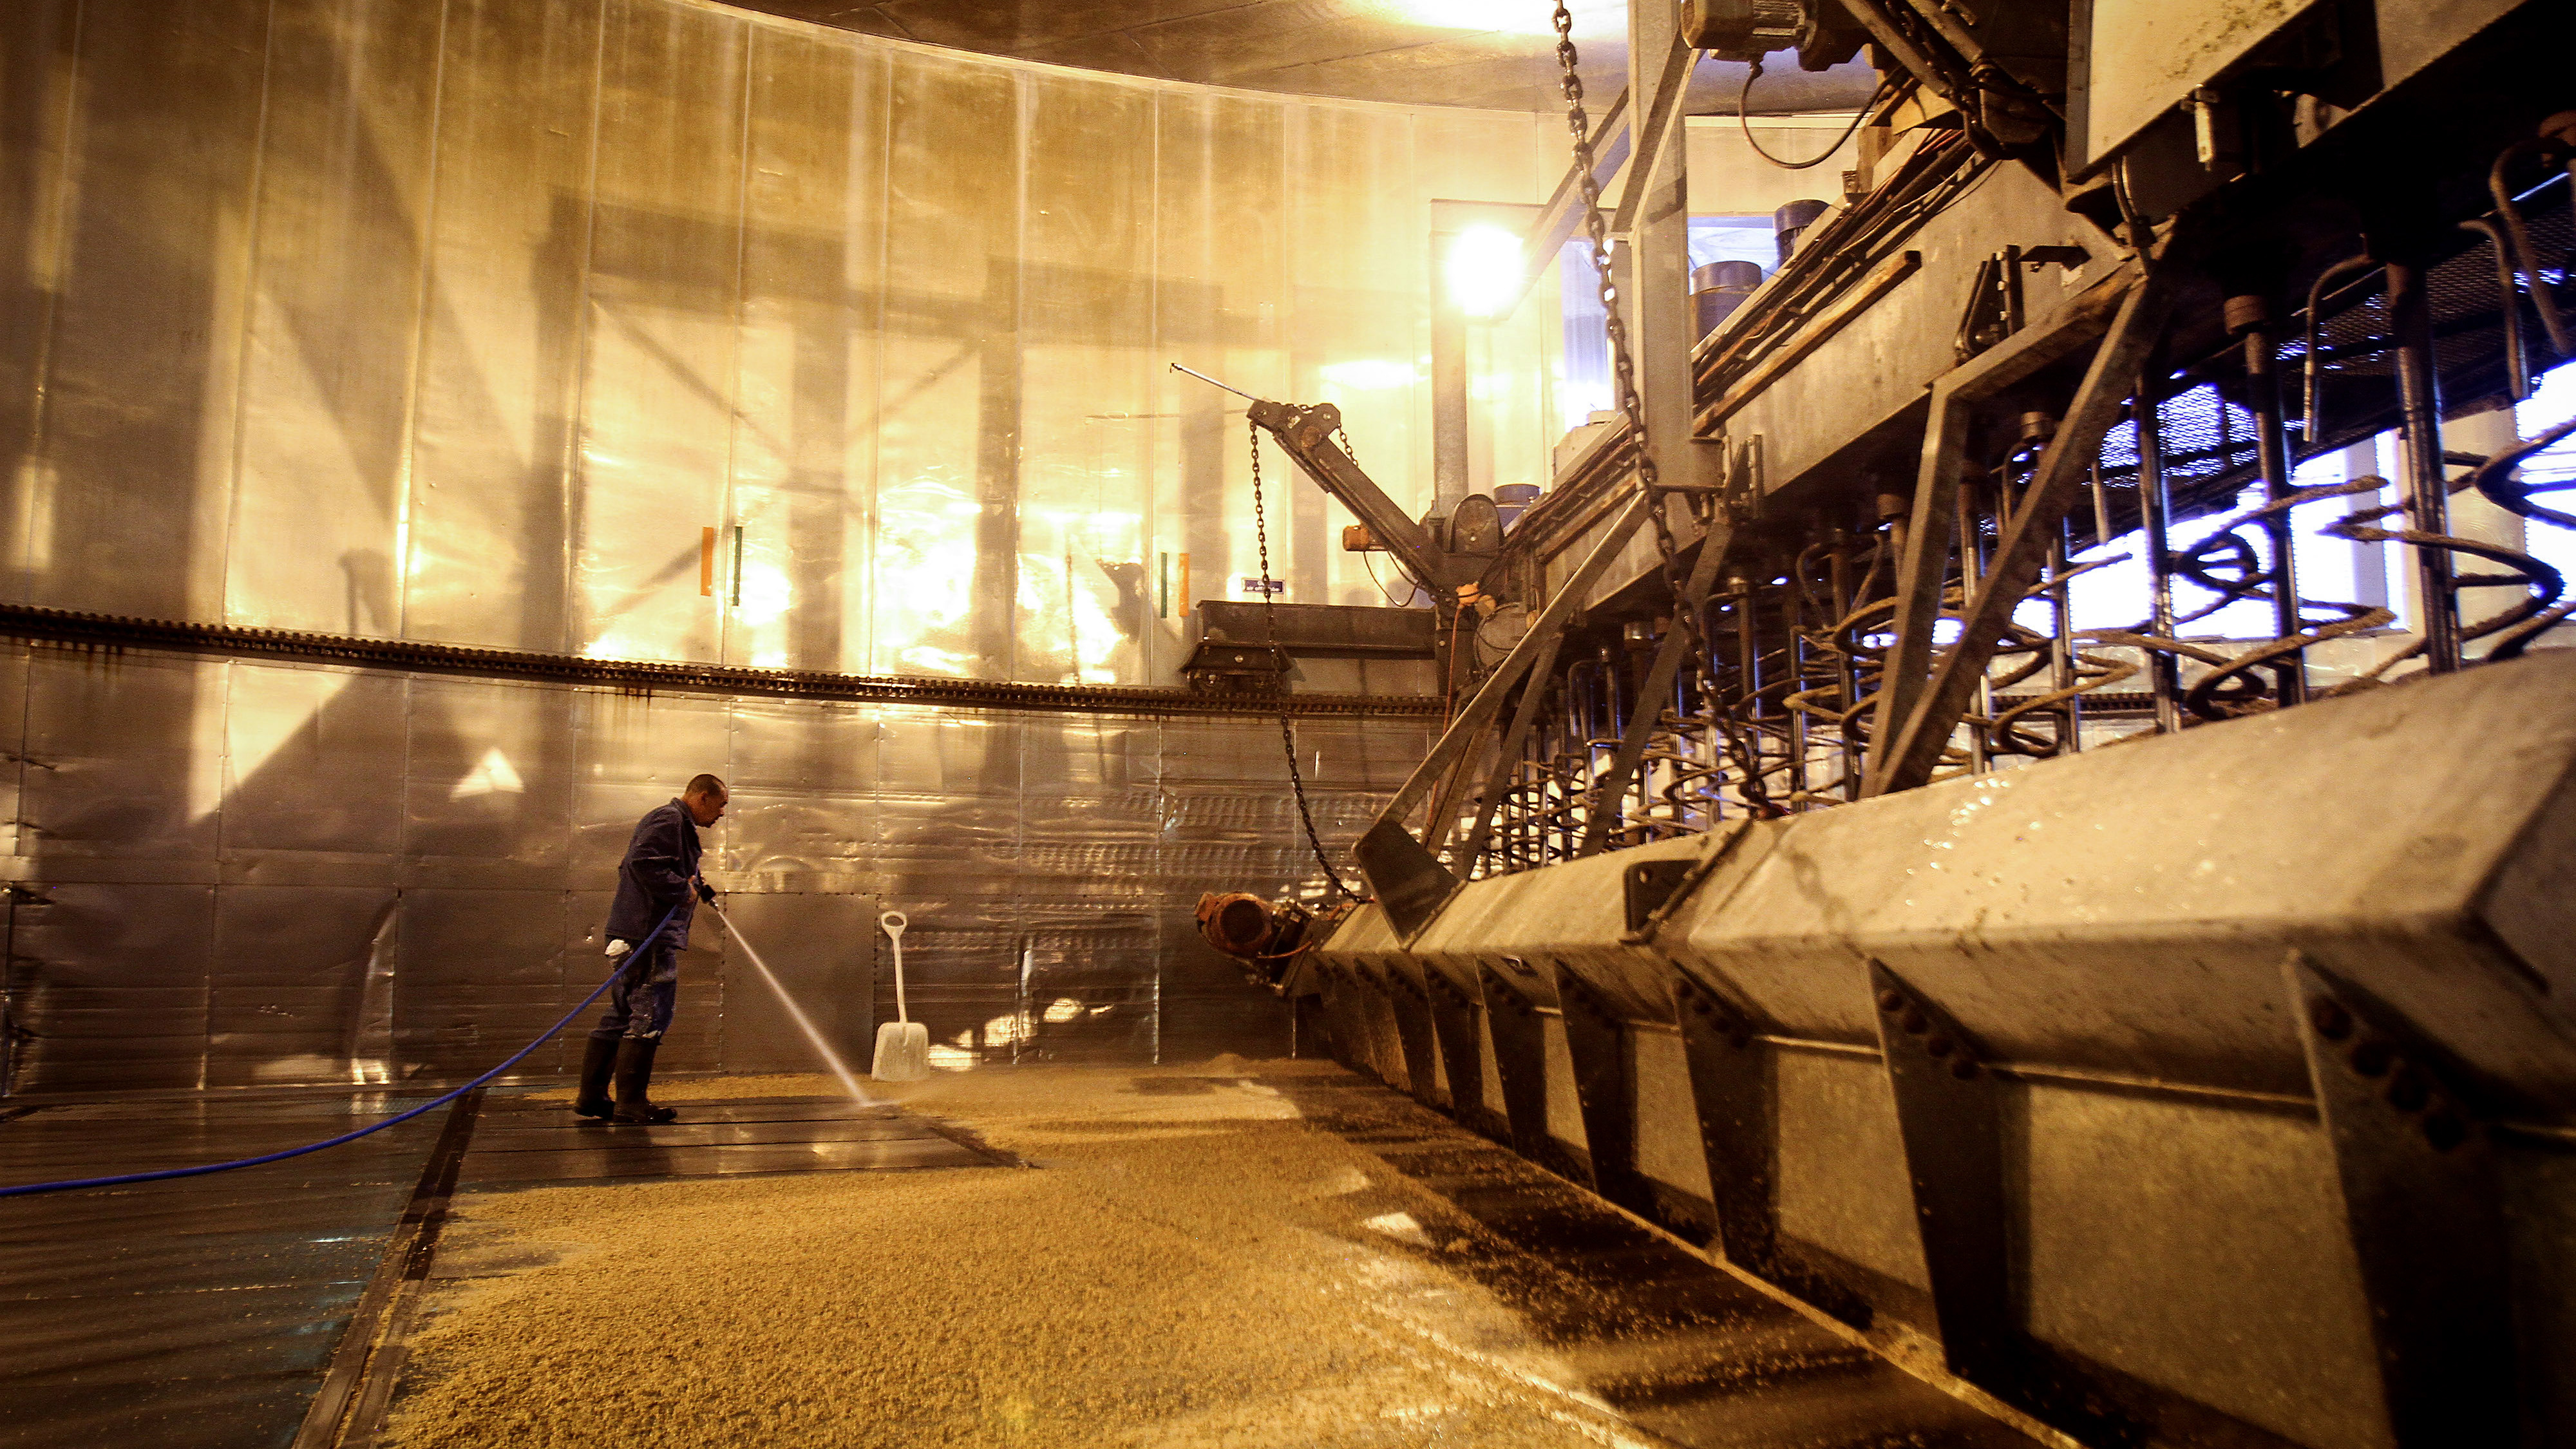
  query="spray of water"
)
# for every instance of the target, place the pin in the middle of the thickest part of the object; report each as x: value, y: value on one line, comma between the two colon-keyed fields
x: 804, y: 1023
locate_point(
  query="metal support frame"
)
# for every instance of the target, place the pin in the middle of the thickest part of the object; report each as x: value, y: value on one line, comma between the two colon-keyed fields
x: 1498, y: 781
x: 1731, y: 1092
x: 1562, y: 215
x: 1462, y: 1061
x: 1923, y: 566
x: 1305, y: 434
x: 1653, y: 691
x: 2272, y: 455
x: 1520, y: 1060
x: 1915, y: 738
x: 1605, y: 1090
x: 1410, y: 1005
x: 1409, y: 881
x: 1949, y: 1115
x: 2416, y: 1171
x: 2427, y: 492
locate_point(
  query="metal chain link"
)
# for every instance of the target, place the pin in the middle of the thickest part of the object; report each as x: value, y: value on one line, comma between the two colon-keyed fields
x: 1632, y: 408
x: 1270, y: 625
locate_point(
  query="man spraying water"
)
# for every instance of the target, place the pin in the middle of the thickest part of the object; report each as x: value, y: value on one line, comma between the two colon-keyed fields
x: 659, y: 876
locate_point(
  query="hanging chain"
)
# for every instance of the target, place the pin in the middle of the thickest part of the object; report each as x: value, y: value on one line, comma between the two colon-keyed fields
x: 1279, y: 656
x: 1632, y: 408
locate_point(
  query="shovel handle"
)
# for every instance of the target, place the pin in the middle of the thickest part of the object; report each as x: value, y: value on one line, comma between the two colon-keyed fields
x: 894, y: 922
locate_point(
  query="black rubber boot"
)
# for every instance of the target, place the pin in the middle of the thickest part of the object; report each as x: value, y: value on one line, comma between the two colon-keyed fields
x: 598, y: 1058
x: 634, y: 1075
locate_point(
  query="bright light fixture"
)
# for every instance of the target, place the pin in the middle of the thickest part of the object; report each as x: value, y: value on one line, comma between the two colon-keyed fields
x: 1484, y: 267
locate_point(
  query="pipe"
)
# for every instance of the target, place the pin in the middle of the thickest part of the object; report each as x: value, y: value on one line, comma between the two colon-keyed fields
x: 2428, y: 502
x: 2249, y: 316
x: 2155, y: 507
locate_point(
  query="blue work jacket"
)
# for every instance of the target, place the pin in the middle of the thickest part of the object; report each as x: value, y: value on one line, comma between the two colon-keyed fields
x: 659, y: 870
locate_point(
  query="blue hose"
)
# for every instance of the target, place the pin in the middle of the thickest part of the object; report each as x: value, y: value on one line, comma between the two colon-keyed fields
x: 74, y: 1184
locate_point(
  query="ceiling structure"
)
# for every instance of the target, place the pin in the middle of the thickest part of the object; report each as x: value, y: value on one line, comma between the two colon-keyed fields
x: 1494, y: 54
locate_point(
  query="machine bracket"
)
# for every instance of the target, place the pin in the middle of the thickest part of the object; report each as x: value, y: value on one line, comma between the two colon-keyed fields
x: 1605, y: 1089
x: 1453, y: 1025
x: 1730, y: 1081
x: 1951, y: 1123
x: 1520, y: 1059
x: 1411, y: 1006
x: 2416, y: 1171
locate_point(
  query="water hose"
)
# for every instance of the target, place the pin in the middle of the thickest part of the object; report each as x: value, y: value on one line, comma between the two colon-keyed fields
x: 201, y: 1170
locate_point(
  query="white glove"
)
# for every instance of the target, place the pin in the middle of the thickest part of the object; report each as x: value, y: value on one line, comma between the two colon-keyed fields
x: 618, y: 948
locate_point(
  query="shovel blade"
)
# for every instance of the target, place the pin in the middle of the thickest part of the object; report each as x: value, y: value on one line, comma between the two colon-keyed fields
x: 903, y: 1052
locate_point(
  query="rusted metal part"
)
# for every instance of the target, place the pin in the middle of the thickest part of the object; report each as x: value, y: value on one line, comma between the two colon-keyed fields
x: 112, y: 631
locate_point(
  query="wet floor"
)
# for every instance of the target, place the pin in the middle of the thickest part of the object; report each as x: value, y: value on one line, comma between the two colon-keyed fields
x: 197, y: 1311
x: 1278, y: 1255
x: 212, y: 1310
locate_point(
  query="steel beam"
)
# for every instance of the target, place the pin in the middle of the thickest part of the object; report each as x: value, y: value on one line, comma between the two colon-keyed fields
x: 1534, y: 697
x: 1952, y: 1124
x: 1730, y: 1079
x: 1462, y: 1061
x: 1655, y: 689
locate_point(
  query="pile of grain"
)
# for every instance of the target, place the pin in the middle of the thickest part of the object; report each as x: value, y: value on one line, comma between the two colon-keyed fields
x: 1192, y: 1265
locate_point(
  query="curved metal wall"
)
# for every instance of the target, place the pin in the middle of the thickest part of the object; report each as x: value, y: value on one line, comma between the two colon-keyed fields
x: 461, y: 320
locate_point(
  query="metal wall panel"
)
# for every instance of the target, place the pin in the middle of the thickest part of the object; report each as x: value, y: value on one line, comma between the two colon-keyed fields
x: 659, y: 328
x: 397, y: 874
x: 488, y: 782
x: 16, y: 664
x: 109, y: 986
x: 335, y: 257
x: 480, y: 973
x: 462, y: 319
x: 947, y: 415
x: 128, y: 754
x: 820, y: 947
x: 811, y: 266
x: 1221, y: 306
x: 38, y: 60
x: 492, y: 441
x: 1086, y: 323
x: 495, y: 308
x: 125, y: 493
x: 292, y: 997
x: 313, y: 760
x: 1360, y: 331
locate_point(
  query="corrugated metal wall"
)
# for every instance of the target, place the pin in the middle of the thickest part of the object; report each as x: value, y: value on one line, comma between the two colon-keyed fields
x: 231, y: 873
x: 462, y: 320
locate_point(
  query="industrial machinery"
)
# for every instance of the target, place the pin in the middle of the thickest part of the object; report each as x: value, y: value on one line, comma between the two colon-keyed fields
x: 2174, y: 1031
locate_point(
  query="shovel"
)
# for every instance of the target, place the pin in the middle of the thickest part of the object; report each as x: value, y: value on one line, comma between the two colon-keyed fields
x: 903, y: 1044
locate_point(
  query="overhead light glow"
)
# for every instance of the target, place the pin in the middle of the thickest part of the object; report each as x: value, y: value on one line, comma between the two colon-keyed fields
x: 1484, y: 267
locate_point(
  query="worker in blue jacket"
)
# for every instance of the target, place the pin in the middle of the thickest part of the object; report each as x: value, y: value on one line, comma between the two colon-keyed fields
x: 658, y: 877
